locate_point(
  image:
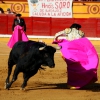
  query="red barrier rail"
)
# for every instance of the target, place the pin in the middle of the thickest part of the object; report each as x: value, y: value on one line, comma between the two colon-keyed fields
x: 49, y: 26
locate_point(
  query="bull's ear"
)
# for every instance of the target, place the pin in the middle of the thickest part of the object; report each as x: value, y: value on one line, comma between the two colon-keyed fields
x: 58, y: 47
x: 41, y: 48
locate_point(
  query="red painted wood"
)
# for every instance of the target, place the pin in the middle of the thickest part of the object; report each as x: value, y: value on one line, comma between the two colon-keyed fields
x: 58, y: 24
x: 3, y: 24
x: 41, y: 26
x: 49, y: 26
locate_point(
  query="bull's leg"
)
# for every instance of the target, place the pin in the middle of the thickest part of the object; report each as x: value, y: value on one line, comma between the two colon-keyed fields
x: 10, y: 65
x: 14, y: 78
x: 26, y: 78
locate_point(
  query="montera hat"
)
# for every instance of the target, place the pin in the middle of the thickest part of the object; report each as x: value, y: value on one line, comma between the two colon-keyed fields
x: 75, y: 25
x: 18, y: 15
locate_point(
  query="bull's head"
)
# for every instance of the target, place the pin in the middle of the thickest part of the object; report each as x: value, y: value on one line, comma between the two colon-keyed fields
x: 48, y: 55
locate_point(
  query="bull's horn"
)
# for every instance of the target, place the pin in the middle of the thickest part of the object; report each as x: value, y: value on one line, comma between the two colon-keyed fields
x: 58, y: 48
x: 41, y: 48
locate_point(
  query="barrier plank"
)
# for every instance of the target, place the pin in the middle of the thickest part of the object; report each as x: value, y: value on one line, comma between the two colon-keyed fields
x: 3, y: 24
x: 98, y: 28
x: 49, y: 26
x: 58, y: 24
x: 10, y: 19
x: 41, y: 26
x: 29, y: 25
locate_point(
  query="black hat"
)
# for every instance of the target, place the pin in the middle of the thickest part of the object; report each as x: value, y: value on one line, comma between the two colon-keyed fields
x: 75, y: 25
x: 18, y: 15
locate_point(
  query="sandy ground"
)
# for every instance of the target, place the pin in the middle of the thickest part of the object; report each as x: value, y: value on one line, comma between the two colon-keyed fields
x: 45, y: 85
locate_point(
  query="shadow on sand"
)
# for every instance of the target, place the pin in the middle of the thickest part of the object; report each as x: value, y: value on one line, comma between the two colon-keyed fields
x: 95, y: 87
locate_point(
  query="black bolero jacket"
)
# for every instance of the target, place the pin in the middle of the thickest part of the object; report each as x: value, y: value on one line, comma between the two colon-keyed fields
x: 21, y: 23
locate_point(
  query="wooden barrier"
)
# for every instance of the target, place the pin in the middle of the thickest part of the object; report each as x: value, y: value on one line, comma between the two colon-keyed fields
x: 49, y: 26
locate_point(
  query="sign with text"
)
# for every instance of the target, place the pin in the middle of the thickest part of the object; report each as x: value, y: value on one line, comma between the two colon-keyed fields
x: 50, y: 8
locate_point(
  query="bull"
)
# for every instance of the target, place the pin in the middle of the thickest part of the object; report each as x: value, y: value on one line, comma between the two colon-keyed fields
x: 28, y: 57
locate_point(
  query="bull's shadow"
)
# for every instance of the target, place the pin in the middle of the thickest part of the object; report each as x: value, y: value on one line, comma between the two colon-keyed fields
x: 94, y: 87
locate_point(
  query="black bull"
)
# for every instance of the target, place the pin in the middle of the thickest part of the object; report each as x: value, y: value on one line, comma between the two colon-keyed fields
x: 28, y: 57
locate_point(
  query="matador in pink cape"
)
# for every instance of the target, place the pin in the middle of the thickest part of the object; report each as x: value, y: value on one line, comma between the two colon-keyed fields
x: 18, y: 35
x: 82, y: 61
x: 19, y: 29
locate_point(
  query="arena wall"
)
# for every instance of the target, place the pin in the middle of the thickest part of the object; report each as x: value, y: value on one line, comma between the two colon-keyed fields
x: 85, y: 13
x: 49, y: 26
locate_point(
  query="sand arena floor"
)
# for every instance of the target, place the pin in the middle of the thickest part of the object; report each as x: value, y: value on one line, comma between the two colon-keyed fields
x: 45, y: 85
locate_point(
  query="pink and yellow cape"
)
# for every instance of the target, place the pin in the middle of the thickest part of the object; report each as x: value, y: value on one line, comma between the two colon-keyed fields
x: 82, y: 61
x: 18, y: 35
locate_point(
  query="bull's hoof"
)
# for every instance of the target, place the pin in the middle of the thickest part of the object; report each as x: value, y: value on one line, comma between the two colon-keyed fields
x: 5, y: 86
x: 23, y: 89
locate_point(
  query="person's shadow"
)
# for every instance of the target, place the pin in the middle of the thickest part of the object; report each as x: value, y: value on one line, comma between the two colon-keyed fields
x: 94, y: 87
